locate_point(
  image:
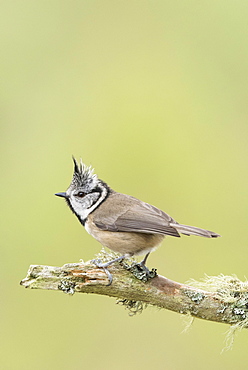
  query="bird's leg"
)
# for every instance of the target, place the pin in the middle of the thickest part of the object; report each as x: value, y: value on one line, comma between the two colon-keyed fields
x: 142, y: 266
x: 105, y: 265
x: 143, y: 262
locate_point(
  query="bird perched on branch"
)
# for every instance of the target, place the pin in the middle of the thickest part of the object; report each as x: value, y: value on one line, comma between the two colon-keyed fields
x: 120, y: 222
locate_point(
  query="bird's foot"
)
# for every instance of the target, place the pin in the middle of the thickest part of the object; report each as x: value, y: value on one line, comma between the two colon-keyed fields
x: 141, y: 272
x: 104, y: 266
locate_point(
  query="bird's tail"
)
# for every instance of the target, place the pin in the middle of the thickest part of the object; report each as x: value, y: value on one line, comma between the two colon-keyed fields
x: 192, y: 230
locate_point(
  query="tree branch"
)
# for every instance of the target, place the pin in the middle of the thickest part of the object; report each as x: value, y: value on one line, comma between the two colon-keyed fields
x: 222, y: 299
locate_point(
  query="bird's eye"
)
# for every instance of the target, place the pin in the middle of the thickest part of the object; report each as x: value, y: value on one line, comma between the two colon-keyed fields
x: 80, y: 194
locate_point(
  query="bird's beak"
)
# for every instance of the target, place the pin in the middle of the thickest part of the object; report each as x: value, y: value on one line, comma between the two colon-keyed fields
x: 62, y: 195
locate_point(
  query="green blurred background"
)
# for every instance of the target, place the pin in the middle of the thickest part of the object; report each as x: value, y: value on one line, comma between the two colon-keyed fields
x: 153, y: 94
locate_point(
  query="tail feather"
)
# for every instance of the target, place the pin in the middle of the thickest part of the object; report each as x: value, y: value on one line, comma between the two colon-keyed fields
x: 192, y: 230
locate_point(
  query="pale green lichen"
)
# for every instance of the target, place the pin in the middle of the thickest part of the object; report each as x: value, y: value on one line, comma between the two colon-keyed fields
x: 196, y: 297
x: 234, y: 294
x: 188, y: 320
x: 231, y: 332
x: 228, y: 288
x: 67, y: 286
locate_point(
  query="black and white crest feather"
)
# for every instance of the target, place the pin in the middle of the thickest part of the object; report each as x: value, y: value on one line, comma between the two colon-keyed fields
x: 83, y: 176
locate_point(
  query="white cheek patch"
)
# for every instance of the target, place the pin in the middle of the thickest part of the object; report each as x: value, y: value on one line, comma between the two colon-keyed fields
x: 80, y: 210
x: 83, y: 207
x: 90, y: 199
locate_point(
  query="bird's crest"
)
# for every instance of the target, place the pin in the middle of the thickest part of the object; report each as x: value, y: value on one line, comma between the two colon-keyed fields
x: 83, y: 176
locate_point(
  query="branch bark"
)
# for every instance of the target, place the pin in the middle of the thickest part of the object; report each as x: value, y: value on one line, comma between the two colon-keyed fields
x: 225, y: 302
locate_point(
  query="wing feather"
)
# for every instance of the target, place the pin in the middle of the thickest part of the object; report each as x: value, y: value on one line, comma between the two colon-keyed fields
x: 134, y: 216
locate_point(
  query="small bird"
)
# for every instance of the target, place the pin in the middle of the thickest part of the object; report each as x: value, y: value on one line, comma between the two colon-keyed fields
x: 120, y: 222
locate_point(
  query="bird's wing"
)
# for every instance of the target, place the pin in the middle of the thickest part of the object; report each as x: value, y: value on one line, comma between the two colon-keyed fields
x: 133, y: 216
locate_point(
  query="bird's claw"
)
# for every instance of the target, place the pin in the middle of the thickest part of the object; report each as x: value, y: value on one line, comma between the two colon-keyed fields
x: 104, y: 265
x: 141, y: 272
x: 98, y: 263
